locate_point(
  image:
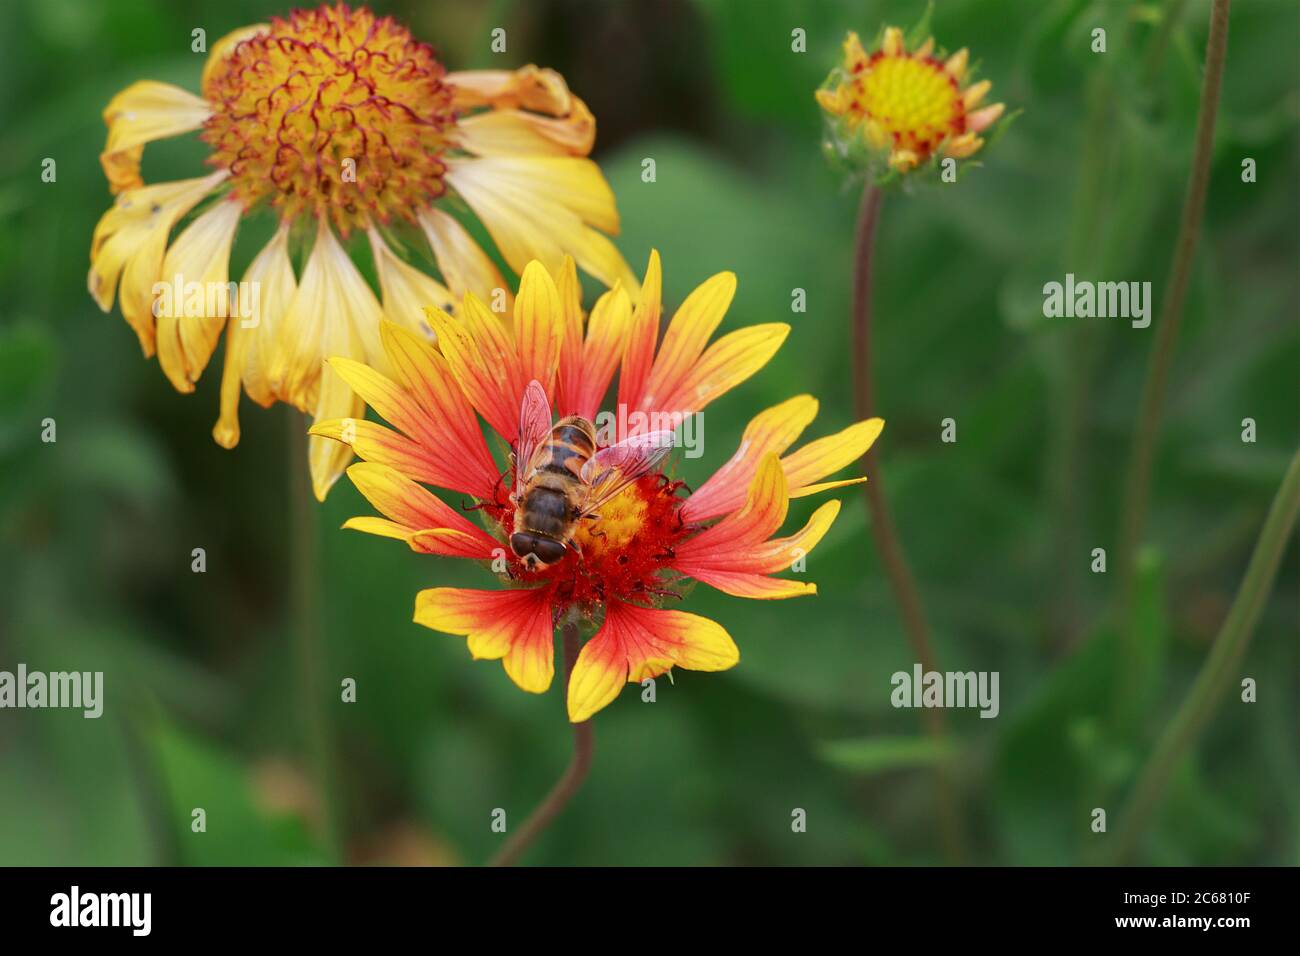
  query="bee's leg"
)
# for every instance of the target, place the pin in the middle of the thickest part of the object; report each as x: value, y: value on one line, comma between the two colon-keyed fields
x: 510, y: 498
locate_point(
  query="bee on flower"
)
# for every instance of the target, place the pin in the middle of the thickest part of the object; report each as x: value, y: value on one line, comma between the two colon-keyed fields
x: 580, y: 527
x: 895, y: 110
x: 339, y: 122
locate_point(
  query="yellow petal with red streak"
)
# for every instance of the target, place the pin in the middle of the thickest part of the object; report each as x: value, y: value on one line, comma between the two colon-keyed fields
x: 513, y: 625
x: 607, y: 331
x: 635, y: 643
x: 773, y: 430
x: 539, y: 328
x: 450, y: 543
x: 758, y: 587
x: 412, y: 505
x: 724, y: 365
x: 764, y: 511
x: 426, y: 375
x: 639, y: 353
x: 688, y: 333
x: 481, y: 385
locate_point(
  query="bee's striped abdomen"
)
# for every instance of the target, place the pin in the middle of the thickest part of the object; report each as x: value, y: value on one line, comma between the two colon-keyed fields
x: 570, y: 445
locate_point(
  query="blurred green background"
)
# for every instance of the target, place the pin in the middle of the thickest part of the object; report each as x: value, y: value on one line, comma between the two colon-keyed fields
x: 96, y: 530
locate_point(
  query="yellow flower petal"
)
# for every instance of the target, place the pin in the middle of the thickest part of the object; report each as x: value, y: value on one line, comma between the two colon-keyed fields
x: 955, y: 65
x: 504, y: 132
x: 513, y: 626
x: 959, y: 147
x: 189, y: 325
x: 817, y: 459
x: 903, y: 160
x: 539, y: 327
x: 635, y: 643
x: 333, y: 312
x: 854, y: 55
x: 771, y: 431
x: 530, y: 87
x: 271, y: 273
x: 544, y: 208
x: 643, y: 335
x: 406, y: 290
x: 328, y: 459
x: 725, y: 364
x: 892, y: 44
x: 130, y: 241
x: 465, y: 266
x: 688, y: 333
x: 975, y: 93
x: 143, y: 112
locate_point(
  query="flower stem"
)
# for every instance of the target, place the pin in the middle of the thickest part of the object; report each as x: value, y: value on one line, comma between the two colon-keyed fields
x: 888, y: 545
x: 1137, y: 487
x: 308, y: 646
x: 568, y: 785
x: 1219, y: 668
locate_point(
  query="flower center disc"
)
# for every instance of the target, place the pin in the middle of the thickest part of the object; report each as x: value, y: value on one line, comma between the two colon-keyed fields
x: 914, y: 99
x: 331, y: 112
x: 624, y: 551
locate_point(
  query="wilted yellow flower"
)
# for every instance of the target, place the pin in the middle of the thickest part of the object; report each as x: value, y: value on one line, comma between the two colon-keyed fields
x: 905, y: 107
x: 340, y: 122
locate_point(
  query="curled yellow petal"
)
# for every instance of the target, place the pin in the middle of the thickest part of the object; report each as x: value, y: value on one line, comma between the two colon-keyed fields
x: 143, y: 112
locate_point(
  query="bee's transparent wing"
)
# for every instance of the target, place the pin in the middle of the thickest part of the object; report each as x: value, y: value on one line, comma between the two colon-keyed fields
x: 534, y: 425
x: 612, y: 469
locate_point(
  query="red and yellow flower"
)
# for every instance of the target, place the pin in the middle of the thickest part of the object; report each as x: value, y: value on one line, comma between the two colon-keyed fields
x: 905, y: 107
x: 651, y: 539
x: 340, y: 122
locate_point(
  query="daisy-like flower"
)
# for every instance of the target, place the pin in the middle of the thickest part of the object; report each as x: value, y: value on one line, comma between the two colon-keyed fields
x: 648, y: 540
x: 905, y: 108
x: 339, y: 122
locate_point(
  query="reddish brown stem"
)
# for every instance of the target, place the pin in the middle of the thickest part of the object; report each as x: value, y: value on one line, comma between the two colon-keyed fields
x: 568, y: 785
x: 888, y: 545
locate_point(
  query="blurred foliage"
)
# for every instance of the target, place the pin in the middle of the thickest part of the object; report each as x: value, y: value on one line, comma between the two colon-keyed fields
x: 96, y: 530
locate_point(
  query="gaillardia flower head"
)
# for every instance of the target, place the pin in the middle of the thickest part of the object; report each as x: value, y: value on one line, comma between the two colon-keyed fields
x: 339, y: 122
x: 584, y: 524
x: 894, y: 110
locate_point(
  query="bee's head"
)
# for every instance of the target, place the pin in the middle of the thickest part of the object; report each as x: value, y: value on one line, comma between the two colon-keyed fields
x: 536, y: 550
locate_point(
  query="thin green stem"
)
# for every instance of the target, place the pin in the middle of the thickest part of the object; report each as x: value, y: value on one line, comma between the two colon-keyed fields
x: 1220, y: 667
x: 1137, y: 486
x: 568, y: 784
x: 308, y: 642
x: 888, y: 544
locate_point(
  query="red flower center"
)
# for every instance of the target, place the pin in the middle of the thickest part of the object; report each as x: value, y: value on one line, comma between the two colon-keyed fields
x: 623, y: 554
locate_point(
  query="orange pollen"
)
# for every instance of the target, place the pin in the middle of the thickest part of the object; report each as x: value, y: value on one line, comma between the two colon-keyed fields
x: 332, y: 112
